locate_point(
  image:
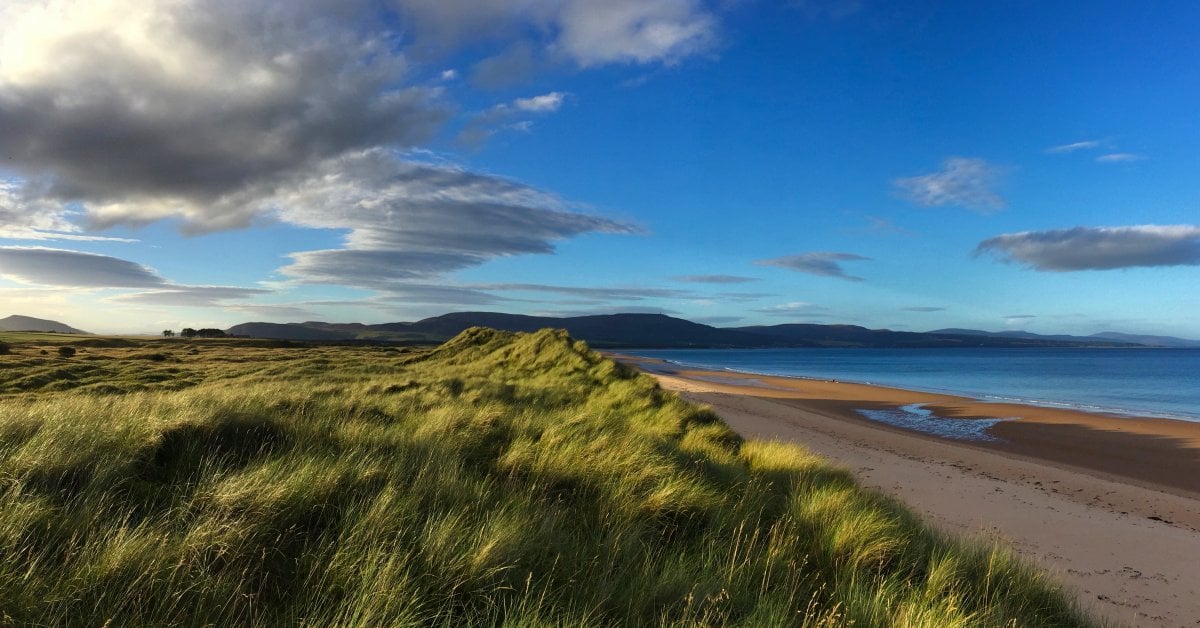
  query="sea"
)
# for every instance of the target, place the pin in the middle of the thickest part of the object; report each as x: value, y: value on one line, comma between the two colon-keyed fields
x: 1124, y: 382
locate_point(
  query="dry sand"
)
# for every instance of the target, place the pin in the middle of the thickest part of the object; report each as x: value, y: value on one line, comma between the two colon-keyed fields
x: 1110, y: 505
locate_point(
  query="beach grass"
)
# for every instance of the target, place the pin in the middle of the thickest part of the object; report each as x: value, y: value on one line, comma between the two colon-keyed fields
x: 497, y: 480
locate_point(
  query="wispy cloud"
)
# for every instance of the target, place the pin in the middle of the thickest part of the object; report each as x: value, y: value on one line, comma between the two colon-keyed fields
x: 190, y: 296
x: 823, y: 263
x: 795, y: 309
x: 1116, y: 158
x: 1074, y: 146
x: 962, y: 182
x: 923, y: 308
x: 1098, y: 248
x: 593, y: 293
x: 714, y: 279
x: 75, y: 269
x: 504, y: 116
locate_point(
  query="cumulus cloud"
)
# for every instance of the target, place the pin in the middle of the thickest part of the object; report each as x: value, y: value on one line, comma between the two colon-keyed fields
x: 1098, y: 248
x: 1074, y: 146
x: 715, y: 279
x: 146, y: 109
x: 222, y: 113
x: 825, y: 264
x: 963, y: 182
x: 541, y: 104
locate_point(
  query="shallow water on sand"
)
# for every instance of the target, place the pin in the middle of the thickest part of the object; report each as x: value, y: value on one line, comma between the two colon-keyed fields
x: 917, y: 417
x: 1132, y: 382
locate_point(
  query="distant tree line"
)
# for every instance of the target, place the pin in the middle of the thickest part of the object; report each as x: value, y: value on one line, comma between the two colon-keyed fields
x: 188, y: 332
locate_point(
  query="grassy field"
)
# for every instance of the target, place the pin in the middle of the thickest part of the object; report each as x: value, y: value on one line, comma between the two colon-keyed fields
x: 501, y: 479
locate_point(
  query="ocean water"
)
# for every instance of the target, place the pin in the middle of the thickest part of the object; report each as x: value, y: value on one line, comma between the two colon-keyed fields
x: 1131, y: 382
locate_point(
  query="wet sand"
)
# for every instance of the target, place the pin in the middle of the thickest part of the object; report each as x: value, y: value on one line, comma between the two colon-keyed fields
x: 1111, y: 505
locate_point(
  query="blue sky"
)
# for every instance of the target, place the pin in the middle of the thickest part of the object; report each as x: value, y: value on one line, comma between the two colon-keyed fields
x: 997, y: 165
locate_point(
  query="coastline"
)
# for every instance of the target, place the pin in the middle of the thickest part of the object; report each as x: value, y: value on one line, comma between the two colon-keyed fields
x: 1110, y: 505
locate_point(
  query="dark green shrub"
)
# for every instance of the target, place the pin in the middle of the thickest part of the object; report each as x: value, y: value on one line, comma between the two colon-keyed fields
x: 66, y: 352
x: 4, y: 349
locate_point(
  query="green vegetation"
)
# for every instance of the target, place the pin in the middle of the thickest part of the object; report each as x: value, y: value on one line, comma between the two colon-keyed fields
x: 500, y: 479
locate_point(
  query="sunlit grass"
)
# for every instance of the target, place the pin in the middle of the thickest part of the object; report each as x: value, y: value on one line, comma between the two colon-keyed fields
x: 500, y: 479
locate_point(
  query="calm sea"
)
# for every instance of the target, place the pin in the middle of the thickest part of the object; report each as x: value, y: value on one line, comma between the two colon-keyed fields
x: 1142, y: 382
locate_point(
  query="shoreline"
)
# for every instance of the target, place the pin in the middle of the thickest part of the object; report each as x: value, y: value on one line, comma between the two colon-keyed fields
x: 1156, y: 452
x: 983, y: 397
x: 1110, y: 506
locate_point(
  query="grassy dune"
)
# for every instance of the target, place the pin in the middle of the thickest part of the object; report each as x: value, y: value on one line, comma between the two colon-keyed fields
x: 498, y: 480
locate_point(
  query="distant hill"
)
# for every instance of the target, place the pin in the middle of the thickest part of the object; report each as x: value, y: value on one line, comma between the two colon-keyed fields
x: 654, y: 331
x: 1150, y: 341
x: 855, y: 336
x: 1102, y: 337
x: 29, y: 323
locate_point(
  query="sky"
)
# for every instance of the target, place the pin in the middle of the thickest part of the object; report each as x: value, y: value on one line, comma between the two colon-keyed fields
x: 914, y: 166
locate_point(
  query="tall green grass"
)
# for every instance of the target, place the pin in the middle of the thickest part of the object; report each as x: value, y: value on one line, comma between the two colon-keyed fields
x: 514, y: 480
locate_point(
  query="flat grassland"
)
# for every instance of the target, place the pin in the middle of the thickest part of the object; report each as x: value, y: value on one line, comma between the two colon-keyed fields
x: 500, y: 479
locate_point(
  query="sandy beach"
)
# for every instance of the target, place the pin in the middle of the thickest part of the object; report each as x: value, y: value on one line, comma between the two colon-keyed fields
x: 1109, y: 505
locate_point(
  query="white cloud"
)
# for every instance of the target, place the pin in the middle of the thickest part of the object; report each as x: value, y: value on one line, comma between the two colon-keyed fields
x: 584, y: 32
x: 412, y: 220
x: 221, y: 113
x: 1098, y: 248
x: 483, y: 126
x: 823, y: 263
x: 1116, y: 158
x: 541, y: 104
x: 963, y: 181
x: 795, y: 308
x: 594, y: 32
x: 1074, y: 146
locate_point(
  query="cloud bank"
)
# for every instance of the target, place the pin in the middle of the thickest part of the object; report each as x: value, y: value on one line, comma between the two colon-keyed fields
x: 1098, y: 248
x: 220, y: 113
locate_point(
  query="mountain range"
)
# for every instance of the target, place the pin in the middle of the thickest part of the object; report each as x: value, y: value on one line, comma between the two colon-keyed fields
x: 660, y: 331
x: 655, y: 331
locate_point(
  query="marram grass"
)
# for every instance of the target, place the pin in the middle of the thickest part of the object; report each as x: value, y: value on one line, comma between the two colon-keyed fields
x: 499, y: 480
